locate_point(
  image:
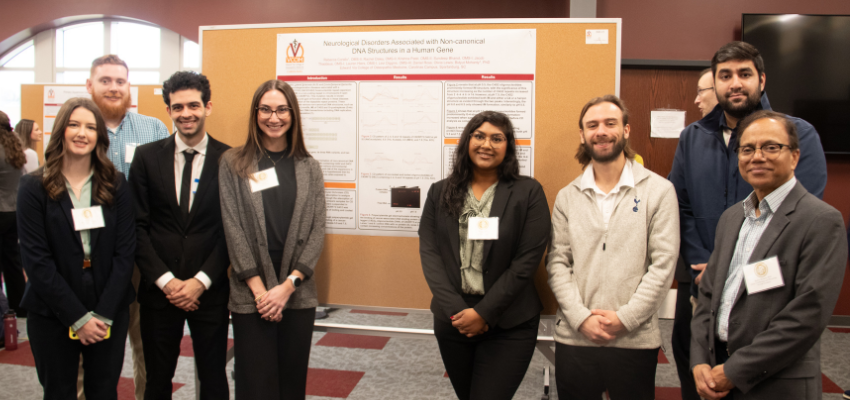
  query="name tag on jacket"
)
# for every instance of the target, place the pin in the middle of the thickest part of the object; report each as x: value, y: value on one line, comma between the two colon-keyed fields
x: 763, y: 275
x: 87, y: 218
x: 483, y: 228
x: 263, y: 180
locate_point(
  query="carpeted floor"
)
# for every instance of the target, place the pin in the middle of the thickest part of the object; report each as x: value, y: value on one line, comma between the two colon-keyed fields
x: 367, y: 367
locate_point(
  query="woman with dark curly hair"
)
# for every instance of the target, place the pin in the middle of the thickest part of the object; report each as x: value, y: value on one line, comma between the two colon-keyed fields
x: 78, y: 235
x: 12, y: 161
x: 481, y: 238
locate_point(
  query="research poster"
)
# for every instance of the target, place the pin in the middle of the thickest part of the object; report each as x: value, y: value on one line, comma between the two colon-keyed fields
x: 56, y: 96
x: 382, y: 112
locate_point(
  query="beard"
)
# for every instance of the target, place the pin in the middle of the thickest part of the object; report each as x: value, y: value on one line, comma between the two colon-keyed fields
x: 743, y: 109
x: 111, y: 110
x: 616, y: 150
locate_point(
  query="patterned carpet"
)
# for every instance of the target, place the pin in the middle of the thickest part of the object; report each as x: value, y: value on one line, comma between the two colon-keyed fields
x: 368, y: 367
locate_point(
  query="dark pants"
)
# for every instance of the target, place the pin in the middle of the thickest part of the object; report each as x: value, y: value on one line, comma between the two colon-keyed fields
x: 489, y: 366
x: 584, y: 373
x: 271, y: 358
x: 10, y: 262
x: 57, y: 359
x: 682, y: 341
x: 162, y: 332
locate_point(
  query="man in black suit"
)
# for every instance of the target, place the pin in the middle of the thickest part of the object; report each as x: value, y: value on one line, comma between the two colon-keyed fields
x: 181, y: 250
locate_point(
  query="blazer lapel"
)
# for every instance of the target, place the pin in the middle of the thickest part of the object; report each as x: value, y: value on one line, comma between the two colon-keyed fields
x: 727, y: 251
x: 500, y: 201
x: 209, y: 174
x: 66, y: 205
x: 166, y: 170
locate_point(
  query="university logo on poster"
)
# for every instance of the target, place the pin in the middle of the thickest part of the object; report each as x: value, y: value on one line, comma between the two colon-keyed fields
x: 295, y: 53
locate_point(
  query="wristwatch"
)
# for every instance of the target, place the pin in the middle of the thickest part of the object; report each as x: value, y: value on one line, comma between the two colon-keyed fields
x: 296, y: 281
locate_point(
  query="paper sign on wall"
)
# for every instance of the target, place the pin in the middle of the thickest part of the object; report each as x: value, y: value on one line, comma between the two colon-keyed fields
x: 666, y: 124
x: 596, y: 36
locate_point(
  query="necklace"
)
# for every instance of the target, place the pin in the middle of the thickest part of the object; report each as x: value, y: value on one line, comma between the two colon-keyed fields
x: 274, y: 163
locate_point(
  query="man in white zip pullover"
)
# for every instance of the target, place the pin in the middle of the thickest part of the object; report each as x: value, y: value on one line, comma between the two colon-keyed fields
x: 615, y: 241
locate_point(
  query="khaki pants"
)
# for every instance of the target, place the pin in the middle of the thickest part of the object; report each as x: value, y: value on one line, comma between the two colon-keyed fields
x: 135, y: 335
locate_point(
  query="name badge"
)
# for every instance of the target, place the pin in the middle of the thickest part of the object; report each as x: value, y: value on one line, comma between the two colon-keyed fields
x: 763, y: 275
x: 129, y: 152
x: 263, y: 180
x: 87, y: 218
x: 483, y: 228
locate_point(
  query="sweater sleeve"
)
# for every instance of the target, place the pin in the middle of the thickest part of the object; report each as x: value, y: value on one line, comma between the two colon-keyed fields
x: 662, y: 248
x: 559, y: 265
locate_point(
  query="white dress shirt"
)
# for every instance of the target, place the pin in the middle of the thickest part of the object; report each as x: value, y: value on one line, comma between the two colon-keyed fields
x: 197, y: 168
x: 607, y: 201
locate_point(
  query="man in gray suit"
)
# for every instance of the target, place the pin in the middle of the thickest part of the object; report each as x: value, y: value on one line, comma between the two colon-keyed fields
x: 773, y: 279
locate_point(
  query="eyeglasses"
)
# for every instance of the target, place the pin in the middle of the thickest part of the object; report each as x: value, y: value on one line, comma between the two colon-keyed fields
x: 699, y: 91
x: 281, y: 112
x: 495, y: 140
x: 769, y: 151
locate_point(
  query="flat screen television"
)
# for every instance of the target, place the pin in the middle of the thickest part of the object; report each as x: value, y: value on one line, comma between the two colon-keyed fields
x: 807, y: 64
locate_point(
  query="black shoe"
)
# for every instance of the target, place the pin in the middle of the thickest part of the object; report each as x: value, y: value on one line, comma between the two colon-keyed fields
x: 847, y: 394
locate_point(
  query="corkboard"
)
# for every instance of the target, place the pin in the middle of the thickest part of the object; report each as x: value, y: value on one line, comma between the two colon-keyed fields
x: 32, y: 105
x: 385, y: 271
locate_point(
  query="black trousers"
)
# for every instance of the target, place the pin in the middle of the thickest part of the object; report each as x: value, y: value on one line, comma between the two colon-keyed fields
x: 57, y: 359
x: 162, y: 332
x: 10, y: 261
x: 489, y: 366
x: 271, y: 358
x: 584, y: 373
x: 682, y: 341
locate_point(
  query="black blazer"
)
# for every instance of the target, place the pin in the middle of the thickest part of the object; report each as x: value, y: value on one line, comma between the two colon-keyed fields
x: 510, y: 262
x: 52, y: 253
x: 164, y: 242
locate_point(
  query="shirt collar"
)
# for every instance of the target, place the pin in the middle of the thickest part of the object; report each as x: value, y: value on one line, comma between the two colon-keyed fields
x: 180, y: 146
x: 771, y: 202
x: 627, y: 178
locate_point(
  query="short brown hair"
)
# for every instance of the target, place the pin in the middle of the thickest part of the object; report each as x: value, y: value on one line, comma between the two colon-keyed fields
x: 108, y: 59
x: 790, y: 127
x: 582, y: 155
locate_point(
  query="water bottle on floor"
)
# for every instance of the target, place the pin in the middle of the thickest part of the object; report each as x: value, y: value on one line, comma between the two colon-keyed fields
x: 10, y: 323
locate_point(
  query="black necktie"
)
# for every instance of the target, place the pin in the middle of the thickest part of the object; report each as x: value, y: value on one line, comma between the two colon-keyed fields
x: 186, y: 186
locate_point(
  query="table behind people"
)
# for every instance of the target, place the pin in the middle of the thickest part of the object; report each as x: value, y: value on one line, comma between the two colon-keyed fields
x: 773, y: 279
x: 75, y: 222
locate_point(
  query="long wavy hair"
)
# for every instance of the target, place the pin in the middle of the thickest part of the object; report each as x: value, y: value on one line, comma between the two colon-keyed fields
x: 454, y: 191
x: 24, y: 131
x: 245, y: 156
x: 11, y: 144
x: 103, y: 186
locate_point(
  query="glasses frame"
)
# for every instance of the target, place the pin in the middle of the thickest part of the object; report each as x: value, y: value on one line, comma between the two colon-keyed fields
x: 493, y: 144
x: 766, y: 154
x: 699, y: 91
x: 268, y: 114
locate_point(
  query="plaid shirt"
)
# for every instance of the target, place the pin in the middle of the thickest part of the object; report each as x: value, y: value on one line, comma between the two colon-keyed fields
x: 748, y: 237
x: 134, y: 129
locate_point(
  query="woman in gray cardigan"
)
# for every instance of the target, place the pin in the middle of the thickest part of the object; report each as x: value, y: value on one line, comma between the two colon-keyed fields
x: 273, y: 209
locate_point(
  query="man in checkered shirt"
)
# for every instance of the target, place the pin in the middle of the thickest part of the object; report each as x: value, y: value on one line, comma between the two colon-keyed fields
x: 109, y: 87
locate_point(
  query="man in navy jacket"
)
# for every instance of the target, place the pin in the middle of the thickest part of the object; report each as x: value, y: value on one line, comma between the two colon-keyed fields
x: 705, y: 169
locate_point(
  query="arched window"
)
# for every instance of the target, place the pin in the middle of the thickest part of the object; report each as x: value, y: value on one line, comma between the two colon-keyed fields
x: 64, y: 55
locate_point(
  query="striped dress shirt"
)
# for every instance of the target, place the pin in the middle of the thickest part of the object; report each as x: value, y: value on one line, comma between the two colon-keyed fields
x: 748, y: 237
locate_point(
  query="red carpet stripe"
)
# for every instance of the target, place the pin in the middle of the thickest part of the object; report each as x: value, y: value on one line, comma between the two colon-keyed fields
x: 829, y: 386
x: 840, y: 330
x: 662, y: 359
x: 353, y: 341
x: 331, y: 383
x: 21, y: 356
